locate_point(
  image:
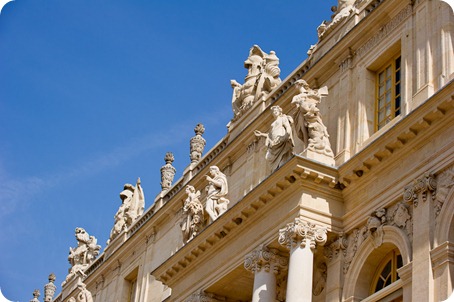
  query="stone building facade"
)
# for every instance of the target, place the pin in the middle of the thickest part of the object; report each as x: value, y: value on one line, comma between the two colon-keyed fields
x: 334, y: 184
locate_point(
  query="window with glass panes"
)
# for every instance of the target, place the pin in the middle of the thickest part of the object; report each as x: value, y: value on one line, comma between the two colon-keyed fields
x: 387, y: 271
x: 388, y: 93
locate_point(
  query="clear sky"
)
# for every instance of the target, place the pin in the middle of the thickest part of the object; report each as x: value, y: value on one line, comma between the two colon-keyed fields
x: 93, y: 94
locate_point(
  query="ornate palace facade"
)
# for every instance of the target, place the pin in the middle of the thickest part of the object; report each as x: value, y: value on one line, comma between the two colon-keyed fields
x: 334, y: 184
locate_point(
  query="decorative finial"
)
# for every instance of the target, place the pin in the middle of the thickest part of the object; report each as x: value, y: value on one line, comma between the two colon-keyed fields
x: 197, y: 144
x: 167, y: 172
x: 36, y: 295
x: 49, y: 289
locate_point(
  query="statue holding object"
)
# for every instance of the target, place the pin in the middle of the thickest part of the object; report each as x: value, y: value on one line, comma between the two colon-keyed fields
x: 193, y: 211
x: 217, y: 189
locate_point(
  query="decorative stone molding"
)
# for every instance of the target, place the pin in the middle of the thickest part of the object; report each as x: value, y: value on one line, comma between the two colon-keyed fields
x: 309, y: 125
x: 131, y: 209
x: 36, y: 295
x: 262, y: 78
x: 167, y: 172
x: 420, y: 186
x: 299, y: 232
x: 201, y: 296
x: 49, y: 289
x: 264, y: 258
x: 197, y: 144
x: 445, y: 183
x: 320, y: 275
x: 83, y: 255
x: 398, y: 215
x: 192, y: 214
x: 339, y: 245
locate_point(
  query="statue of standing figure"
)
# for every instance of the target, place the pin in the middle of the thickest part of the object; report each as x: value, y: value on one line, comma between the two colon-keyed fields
x: 217, y: 189
x: 308, y: 121
x: 261, y: 79
x: 193, y: 210
x: 132, y: 207
x: 279, y: 140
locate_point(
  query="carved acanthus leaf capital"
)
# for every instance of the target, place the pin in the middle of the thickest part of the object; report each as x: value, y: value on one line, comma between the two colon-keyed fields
x: 336, y: 247
x: 265, y: 258
x: 302, y: 233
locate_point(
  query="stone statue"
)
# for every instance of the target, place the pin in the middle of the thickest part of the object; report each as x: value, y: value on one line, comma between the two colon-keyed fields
x: 279, y: 139
x: 261, y: 79
x: 217, y: 189
x: 84, y: 295
x: 340, y: 12
x: 49, y: 289
x: 167, y: 172
x: 197, y: 144
x: 83, y: 255
x: 193, y: 210
x: 132, y: 207
x: 36, y: 295
x: 308, y: 121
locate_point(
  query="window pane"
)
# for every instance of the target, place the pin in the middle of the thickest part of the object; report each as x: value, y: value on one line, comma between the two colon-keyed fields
x: 397, y: 106
x: 388, y: 84
x: 398, y: 63
x: 398, y: 89
x: 388, y: 110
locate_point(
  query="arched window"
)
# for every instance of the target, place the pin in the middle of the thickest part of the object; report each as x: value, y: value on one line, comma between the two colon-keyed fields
x: 386, y: 272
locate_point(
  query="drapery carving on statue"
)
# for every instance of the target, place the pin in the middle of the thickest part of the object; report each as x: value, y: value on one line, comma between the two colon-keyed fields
x: 132, y: 207
x: 445, y: 183
x: 343, y: 9
x: 217, y: 189
x: 308, y: 120
x: 261, y: 79
x: 83, y: 255
x: 279, y: 139
x: 84, y: 295
x: 192, y: 214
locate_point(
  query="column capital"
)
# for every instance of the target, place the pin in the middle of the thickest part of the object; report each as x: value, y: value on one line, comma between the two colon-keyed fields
x: 301, y: 232
x: 265, y: 258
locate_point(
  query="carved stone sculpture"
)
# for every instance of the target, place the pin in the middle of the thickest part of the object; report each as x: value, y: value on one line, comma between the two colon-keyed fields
x: 197, y: 144
x: 84, y: 295
x: 262, y: 78
x: 279, y: 139
x: 422, y: 186
x: 301, y: 233
x: 308, y: 121
x: 264, y: 258
x: 132, y: 207
x: 193, y: 214
x: 320, y: 275
x: 342, y: 11
x: 83, y: 255
x: 217, y: 189
x: 339, y: 245
x: 201, y: 296
x: 445, y: 183
x: 49, y: 289
x: 167, y: 172
x: 36, y: 295
x: 375, y: 226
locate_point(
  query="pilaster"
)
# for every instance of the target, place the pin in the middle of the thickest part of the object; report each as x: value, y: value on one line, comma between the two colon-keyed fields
x: 443, y: 267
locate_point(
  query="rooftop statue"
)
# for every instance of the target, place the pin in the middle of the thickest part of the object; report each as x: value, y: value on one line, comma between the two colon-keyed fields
x: 193, y: 210
x: 279, y: 140
x: 261, y: 79
x: 217, y: 189
x: 83, y: 255
x: 343, y: 9
x: 308, y: 121
x: 132, y: 207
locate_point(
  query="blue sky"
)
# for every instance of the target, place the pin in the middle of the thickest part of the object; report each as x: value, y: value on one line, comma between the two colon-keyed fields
x: 94, y: 93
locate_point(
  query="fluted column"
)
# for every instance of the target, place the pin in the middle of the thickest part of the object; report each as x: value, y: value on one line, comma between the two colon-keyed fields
x: 265, y: 263
x: 300, y: 238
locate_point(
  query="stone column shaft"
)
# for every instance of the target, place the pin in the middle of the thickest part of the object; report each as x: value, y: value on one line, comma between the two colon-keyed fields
x: 301, y: 237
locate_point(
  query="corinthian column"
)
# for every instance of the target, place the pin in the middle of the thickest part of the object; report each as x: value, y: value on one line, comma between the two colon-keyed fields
x: 265, y: 263
x: 300, y: 238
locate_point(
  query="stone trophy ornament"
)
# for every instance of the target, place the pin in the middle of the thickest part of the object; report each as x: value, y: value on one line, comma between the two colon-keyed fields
x: 340, y: 12
x: 167, y: 172
x: 197, y: 144
x: 193, y: 214
x: 217, y: 189
x: 279, y: 139
x: 49, y: 289
x: 36, y: 295
x: 132, y: 207
x: 84, y: 295
x: 261, y: 79
x: 309, y: 125
x: 83, y: 255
